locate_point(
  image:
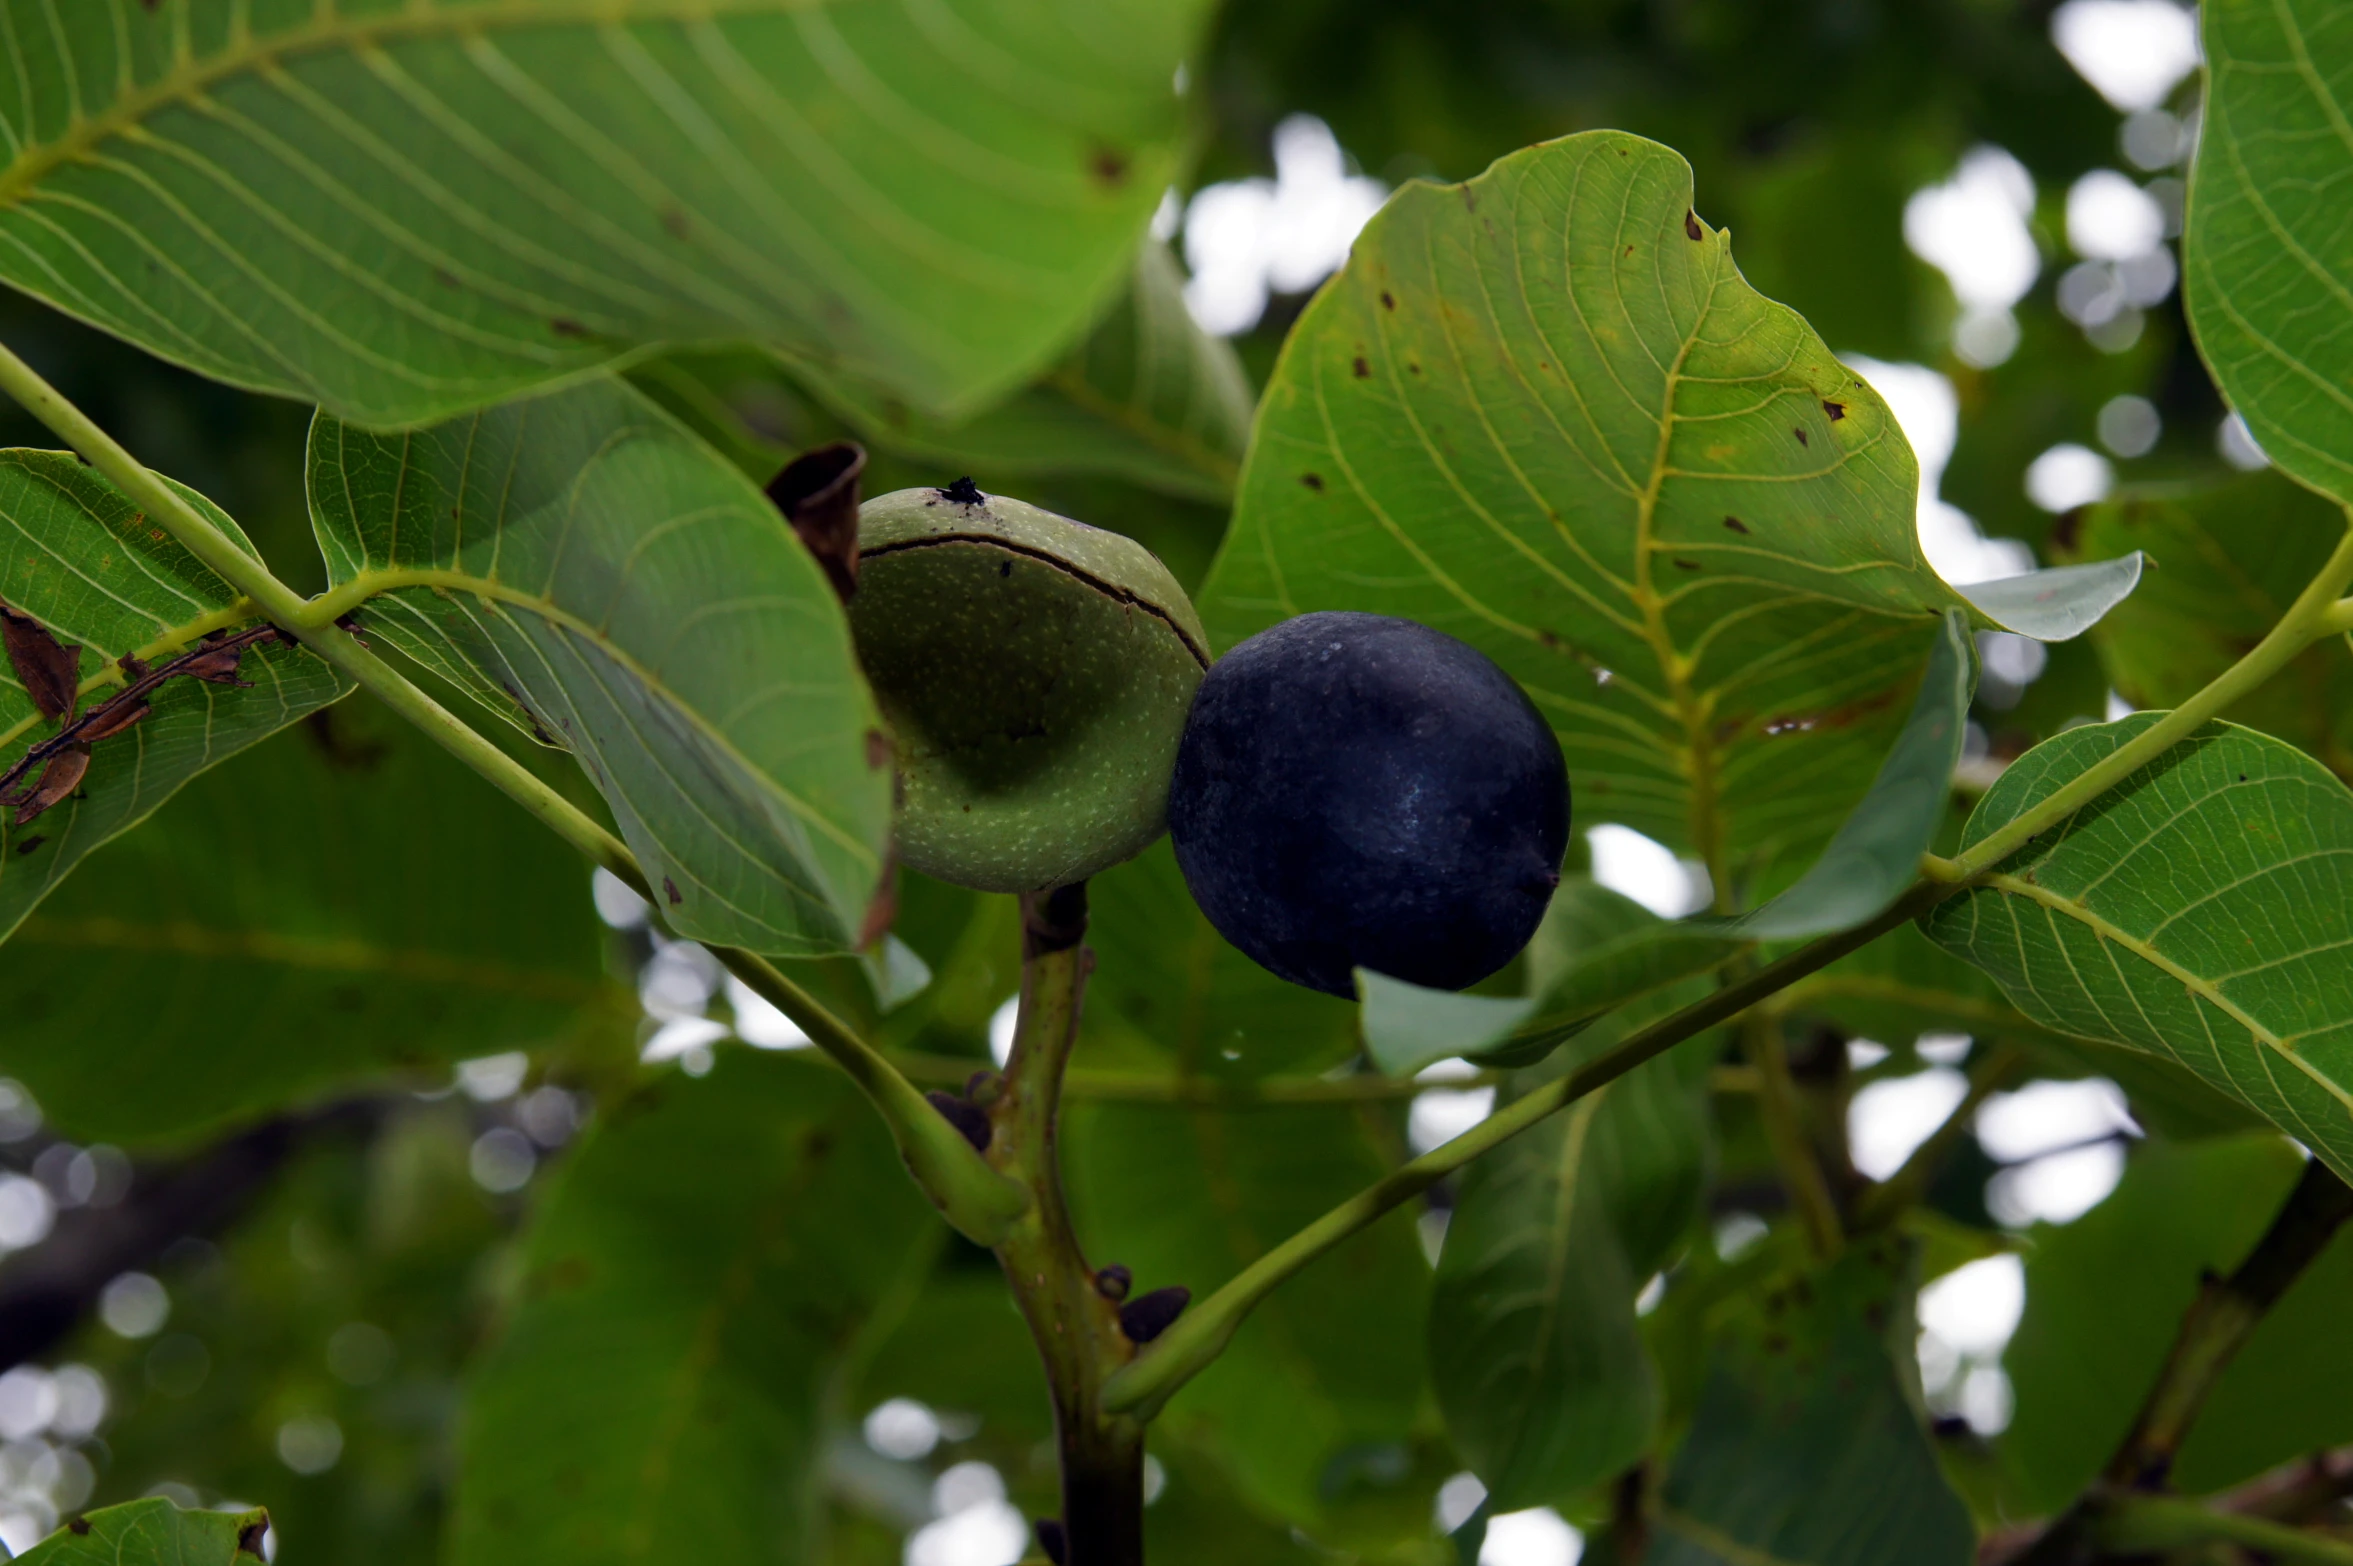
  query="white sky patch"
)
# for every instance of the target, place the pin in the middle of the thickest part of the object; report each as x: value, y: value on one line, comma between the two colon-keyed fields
x: 1887, y: 1119
x: 2067, y: 476
x: 1248, y: 238
x: 2110, y: 218
x: 1976, y: 1307
x: 1537, y: 1537
x: 1442, y: 1114
x: 1646, y: 870
x: 1973, y: 229
x: 2044, y: 1117
x: 1925, y: 405
x: 2133, y: 52
x: 2058, y: 1189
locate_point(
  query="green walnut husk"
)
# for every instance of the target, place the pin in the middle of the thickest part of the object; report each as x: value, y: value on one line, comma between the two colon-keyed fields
x: 1035, y: 672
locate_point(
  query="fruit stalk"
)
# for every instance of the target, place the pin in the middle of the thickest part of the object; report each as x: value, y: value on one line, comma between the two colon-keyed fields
x: 1075, y: 1322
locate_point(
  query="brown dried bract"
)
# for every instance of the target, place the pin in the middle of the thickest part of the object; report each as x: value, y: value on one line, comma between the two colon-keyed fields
x: 49, y: 670
x: 818, y: 494
x: 58, y: 779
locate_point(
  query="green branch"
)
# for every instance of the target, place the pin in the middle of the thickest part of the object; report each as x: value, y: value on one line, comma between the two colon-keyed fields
x: 1201, y: 1334
x: 975, y: 1198
x: 2160, y: 1524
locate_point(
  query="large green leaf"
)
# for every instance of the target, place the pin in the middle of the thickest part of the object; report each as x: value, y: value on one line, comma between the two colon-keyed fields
x: 2268, y: 281
x: 689, y: 1292
x: 1804, y: 1450
x: 154, y: 1532
x: 2202, y: 911
x: 348, y: 885
x: 1542, y: 411
x: 1535, y: 1351
x: 581, y: 559
x: 2104, y: 1300
x: 1191, y: 1195
x: 78, y: 557
x: 2232, y: 557
x: 403, y: 211
x: 1148, y: 397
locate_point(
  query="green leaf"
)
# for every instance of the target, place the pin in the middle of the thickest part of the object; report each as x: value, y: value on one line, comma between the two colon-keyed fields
x: 1594, y: 952
x: 2060, y: 604
x: 1191, y: 1195
x: 1166, y: 984
x: 1148, y: 397
x: 2104, y: 1300
x: 2267, y: 280
x: 2202, y: 911
x: 1804, y: 1450
x: 285, y: 896
x: 2232, y: 557
x: 402, y: 213
x: 154, y: 1532
x: 583, y: 558
x: 1876, y: 853
x: 1535, y: 1350
x: 78, y: 557
x: 688, y: 1294
x: 1541, y: 411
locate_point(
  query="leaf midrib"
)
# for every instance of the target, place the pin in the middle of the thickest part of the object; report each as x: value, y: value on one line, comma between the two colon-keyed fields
x: 327, y: 32
x: 2198, y: 986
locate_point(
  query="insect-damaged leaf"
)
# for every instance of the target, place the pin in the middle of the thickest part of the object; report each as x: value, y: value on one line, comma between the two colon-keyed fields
x: 81, y: 559
x: 50, y: 671
x: 594, y: 572
x: 154, y: 1530
x: 61, y: 775
x: 1542, y: 411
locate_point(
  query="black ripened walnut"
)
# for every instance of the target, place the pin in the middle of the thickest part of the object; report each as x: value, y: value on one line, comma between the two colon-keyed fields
x: 1355, y: 791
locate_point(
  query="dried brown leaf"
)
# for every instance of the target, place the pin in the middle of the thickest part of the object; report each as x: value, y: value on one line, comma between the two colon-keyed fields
x: 49, y: 670
x: 818, y: 494
x: 58, y: 779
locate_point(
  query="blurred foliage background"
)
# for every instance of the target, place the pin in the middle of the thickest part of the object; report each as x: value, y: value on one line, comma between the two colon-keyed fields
x: 286, y: 1309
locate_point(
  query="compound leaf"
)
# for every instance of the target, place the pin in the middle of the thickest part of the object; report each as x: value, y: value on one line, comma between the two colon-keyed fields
x: 405, y: 211
x: 582, y: 558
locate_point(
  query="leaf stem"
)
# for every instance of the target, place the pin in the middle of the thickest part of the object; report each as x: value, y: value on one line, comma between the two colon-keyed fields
x: 1793, y: 1150
x: 974, y: 1198
x: 1201, y: 1334
x: 2313, y: 615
